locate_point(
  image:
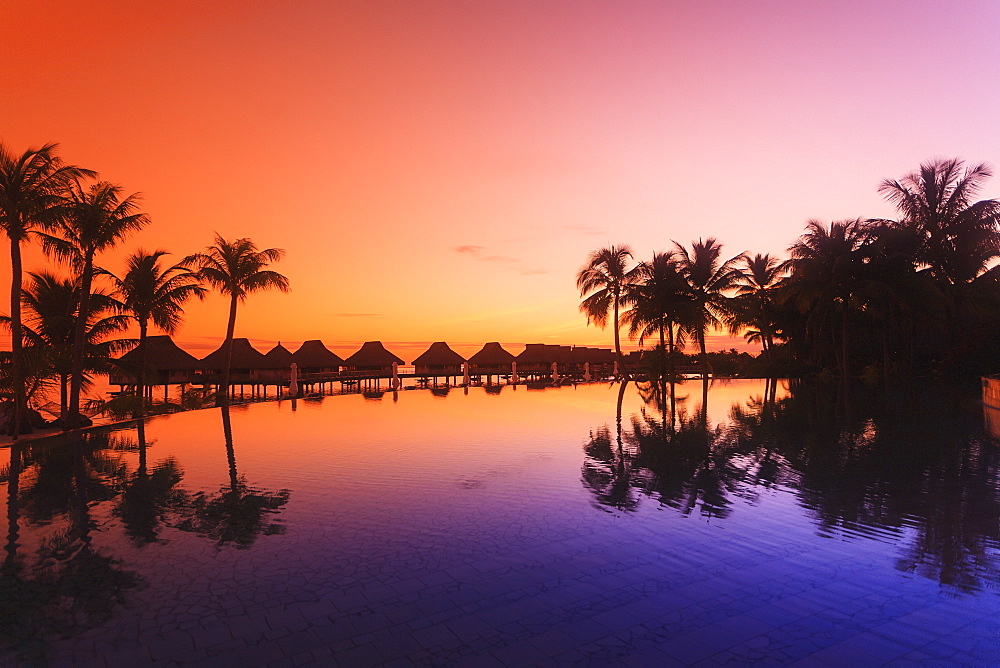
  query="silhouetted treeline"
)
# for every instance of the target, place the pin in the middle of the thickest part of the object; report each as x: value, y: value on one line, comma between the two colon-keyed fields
x: 64, y: 328
x: 918, y: 295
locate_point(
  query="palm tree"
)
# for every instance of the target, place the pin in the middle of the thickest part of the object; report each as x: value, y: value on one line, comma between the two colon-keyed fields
x: 959, y: 238
x: 605, y: 277
x: 92, y: 220
x: 236, y: 268
x: 30, y: 187
x: 827, y: 281
x: 659, y: 299
x: 151, y: 293
x: 759, y: 277
x: 50, y: 308
x: 708, y: 282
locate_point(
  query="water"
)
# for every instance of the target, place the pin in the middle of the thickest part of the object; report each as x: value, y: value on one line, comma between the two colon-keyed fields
x: 780, y: 524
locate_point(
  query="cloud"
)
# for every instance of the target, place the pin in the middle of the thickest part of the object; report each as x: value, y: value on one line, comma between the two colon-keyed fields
x: 477, y: 252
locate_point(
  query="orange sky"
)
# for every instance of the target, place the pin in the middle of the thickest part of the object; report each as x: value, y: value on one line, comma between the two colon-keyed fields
x: 440, y: 170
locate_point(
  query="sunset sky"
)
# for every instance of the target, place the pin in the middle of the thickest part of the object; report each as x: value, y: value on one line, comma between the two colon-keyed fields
x: 440, y: 170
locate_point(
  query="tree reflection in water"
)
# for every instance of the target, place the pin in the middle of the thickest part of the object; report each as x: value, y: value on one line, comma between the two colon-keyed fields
x: 237, y: 514
x: 149, y: 500
x: 61, y: 584
x: 66, y: 585
x: 909, y: 466
x: 679, y: 460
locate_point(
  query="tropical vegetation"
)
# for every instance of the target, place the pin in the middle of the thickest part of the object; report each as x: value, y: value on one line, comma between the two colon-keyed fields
x: 66, y: 327
x: 917, y: 295
x: 236, y: 269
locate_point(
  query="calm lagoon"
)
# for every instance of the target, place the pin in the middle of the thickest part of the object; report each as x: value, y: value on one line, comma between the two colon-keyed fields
x: 487, y: 527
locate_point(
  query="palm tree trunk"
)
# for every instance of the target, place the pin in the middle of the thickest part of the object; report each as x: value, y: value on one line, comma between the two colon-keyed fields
x: 79, y: 336
x: 886, y: 355
x: 704, y: 355
x: 141, y: 390
x: 618, y: 345
x: 222, y: 397
x: 16, y: 334
x: 845, y: 353
x: 704, y: 377
x: 63, y: 396
x: 663, y: 352
x: 770, y: 355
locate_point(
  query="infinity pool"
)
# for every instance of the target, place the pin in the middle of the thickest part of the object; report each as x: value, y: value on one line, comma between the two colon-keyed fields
x: 558, y: 525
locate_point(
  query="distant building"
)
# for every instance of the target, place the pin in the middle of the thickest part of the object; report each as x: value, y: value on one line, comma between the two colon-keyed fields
x: 245, y: 364
x: 372, y: 358
x: 277, y: 365
x: 439, y: 360
x: 166, y: 364
x: 491, y: 360
x: 538, y: 357
x: 313, y: 357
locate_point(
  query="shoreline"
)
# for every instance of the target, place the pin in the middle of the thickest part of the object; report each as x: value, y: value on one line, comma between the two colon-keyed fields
x: 41, y: 434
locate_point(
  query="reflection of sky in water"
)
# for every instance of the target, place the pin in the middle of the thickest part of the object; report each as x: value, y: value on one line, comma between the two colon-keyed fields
x: 475, y: 500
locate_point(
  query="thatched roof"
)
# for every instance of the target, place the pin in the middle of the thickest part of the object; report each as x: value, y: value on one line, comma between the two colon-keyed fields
x: 543, y: 353
x: 313, y: 354
x: 245, y: 356
x: 277, y: 357
x: 372, y: 353
x: 492, y: 353
x: 162, y: 354
x: 583, y: 354
x: 439, y: 354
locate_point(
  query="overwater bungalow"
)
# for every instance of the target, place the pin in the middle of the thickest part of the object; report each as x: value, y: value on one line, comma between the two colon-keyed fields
x: 372, y: 359
x: 245, y: 364
x: 166, y: 364
x: 491, y: 360
x: 313, y: 357
x: 277, y: 365
x: 537, y: 358
x: 601, y: 360
x: 439, y: 360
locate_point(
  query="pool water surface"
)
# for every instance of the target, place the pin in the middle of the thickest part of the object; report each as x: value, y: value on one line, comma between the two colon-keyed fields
x: 779, y: 523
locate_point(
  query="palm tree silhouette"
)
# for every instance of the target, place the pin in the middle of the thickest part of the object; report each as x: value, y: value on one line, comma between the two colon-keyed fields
x: 30, y: 187
x: 152, y: 293
x: 92, y: 220
x: 759, y: 278
x: 956, y: 239
x: 959, y: 238
x: 708, y: 282
x: 50, y: 315
x: 605, y: 276
x: 826, y: 281
x: 659, y: 299
x: 236, y: 268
